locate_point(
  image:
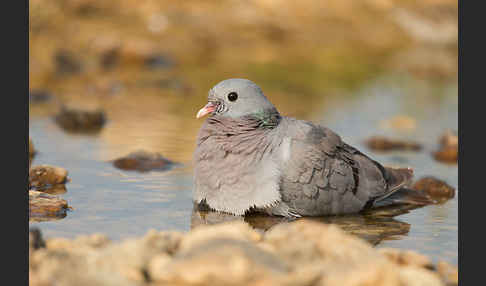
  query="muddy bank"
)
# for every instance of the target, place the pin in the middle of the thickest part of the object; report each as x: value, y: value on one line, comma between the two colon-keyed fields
x: 296, y: 253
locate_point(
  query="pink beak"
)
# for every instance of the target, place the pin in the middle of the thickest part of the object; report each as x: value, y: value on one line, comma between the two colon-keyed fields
x: 208, y: 108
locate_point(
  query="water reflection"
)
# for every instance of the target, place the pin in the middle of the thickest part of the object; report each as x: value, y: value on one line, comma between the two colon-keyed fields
x: 373, y: 226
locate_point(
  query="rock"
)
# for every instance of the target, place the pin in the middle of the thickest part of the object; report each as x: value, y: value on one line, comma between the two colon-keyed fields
x: 302, y: 252
x: 38, y: 96
x: 221, y: 261
x: 66, y: 63
x: 407, y: 258
x: 416, y: 276
x: 438, y: 190
x: 46, y: 206
x: 131, y: 258
x: 449, y: 145
x: 327, y: 252
x: 63, y: 267
x: 82, y: 242
x: 380, y: 143
x: 448, y: 273
x: 231, y: 230
x: 77, y: 120
x: 143, y: 161
x: 46, y: 176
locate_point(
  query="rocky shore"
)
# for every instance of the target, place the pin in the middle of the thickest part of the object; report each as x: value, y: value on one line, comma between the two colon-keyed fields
x: 302, y: 252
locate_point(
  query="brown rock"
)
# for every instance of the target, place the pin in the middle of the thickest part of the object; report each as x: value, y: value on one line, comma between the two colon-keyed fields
x: 142, y: 161
x: 380, y: 143
x: 448, y: 273
x: 438, y: 190
x: 449, y: 145
x: 44, y: 205
x: 78, y: 120
x: 45, y: 175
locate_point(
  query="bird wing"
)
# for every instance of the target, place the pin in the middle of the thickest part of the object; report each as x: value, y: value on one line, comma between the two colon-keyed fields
x: 324, y: 175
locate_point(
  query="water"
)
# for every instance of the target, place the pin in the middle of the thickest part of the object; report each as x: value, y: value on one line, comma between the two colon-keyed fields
x: 125, y: 204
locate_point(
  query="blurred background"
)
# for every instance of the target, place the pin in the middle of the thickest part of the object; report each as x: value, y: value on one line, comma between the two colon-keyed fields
x: 362, y: 68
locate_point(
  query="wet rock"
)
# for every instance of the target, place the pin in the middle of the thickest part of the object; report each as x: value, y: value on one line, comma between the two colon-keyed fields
x: 448, y: 273
x: 66, y: 63
x: 57, y: 189
x: 77, y: 120
x: 438, y: 190
x: 449, y: 145
x: 143, y: 161
x: 46, y: 206
x: 46, y: 176
x: 380, y: 143
x: 38, y: 96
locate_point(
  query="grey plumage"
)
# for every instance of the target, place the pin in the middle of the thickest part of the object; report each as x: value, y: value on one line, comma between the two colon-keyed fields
x: 250, y: 158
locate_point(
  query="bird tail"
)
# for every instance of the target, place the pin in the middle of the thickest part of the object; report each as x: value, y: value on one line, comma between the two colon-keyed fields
x: 405, y: 196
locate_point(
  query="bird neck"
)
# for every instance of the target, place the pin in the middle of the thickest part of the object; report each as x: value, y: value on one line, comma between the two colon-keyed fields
x: 268, y: 118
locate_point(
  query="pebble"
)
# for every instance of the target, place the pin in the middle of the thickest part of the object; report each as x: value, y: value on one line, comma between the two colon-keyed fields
x: 78, y: 120
x: 380, y: 143
x: 142, y: 161
x: 46, y: 176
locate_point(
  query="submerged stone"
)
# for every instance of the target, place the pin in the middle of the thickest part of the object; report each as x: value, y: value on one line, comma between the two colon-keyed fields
x: 438, y: 190
x: 380, y: 143
x: 143, y: 161
x: 78, y: 120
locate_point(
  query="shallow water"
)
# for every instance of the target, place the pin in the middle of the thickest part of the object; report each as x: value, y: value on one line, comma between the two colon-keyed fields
x: 123, y: 203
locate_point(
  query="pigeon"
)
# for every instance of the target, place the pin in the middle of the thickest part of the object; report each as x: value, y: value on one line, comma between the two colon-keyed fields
x: 249, y: 158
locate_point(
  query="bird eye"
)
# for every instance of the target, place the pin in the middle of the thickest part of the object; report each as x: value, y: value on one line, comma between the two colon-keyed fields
x: 232, y: 96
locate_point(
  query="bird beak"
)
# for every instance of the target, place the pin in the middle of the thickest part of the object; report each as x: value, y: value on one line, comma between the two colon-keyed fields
x: 208, y: 108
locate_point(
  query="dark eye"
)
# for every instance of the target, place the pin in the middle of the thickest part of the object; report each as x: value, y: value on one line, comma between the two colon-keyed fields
x: 232, y: 96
